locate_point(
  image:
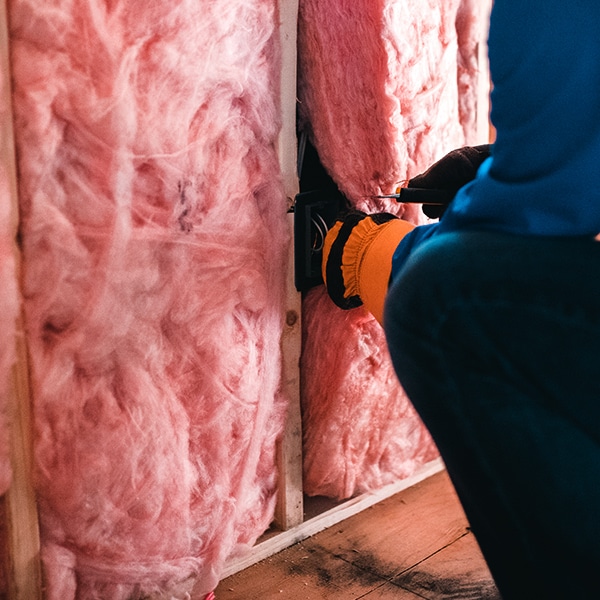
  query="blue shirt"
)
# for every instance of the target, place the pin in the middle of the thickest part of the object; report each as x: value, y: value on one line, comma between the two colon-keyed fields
x: 543, y: 177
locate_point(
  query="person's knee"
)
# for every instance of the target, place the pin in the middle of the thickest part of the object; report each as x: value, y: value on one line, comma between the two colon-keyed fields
x: 428, y: 278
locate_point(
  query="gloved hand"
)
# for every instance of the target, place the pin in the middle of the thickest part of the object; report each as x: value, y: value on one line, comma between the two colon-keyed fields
x: 357, y: 259
x: 450, y: 173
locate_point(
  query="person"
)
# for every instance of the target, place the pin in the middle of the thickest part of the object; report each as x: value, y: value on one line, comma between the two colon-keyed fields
x: 492, y: 314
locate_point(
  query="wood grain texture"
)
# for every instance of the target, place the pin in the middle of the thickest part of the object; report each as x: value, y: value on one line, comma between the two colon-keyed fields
x: 456, y: 571
x: 415, y: 544
x: 407, y: 528
x: 289, y: 509
x: 19, y: 504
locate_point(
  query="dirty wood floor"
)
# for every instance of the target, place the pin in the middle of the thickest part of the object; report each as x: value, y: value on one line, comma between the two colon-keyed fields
x: 416, y: 544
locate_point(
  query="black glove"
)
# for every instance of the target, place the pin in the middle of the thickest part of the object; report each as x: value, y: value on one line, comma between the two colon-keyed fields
x: 450, y: 173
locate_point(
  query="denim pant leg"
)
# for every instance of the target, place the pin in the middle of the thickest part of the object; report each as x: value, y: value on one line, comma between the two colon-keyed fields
x: 496, y: 340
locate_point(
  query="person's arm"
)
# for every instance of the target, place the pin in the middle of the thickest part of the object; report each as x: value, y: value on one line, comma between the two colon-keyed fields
x: 360, y: 249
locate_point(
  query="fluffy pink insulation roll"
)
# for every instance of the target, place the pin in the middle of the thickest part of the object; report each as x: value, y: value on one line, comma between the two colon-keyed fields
x: 360, y: 430
x: 385, y: 89
x: 154, y: 235
x: 9, y: 308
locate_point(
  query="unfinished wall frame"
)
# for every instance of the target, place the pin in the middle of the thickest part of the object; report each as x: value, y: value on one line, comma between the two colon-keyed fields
x: 291, y: 523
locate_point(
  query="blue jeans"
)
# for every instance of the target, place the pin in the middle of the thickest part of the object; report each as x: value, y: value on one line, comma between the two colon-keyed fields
x: 496, y: 340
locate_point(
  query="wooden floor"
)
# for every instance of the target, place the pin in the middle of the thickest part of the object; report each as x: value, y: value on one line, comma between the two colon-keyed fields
x: 416, y: 544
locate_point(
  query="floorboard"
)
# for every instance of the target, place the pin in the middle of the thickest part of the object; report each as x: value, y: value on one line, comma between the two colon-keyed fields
x: 416, y: 544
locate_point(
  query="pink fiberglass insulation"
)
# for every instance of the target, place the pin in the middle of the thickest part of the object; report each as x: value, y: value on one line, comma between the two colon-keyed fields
x: 360, y: 430
x: 153, y: 223
x: 385, y: 89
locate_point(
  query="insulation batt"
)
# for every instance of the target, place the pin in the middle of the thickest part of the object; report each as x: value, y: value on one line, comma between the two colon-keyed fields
x: 154, y: 236
x: 361, y: 431
x: 386, y: 88
x: 9, y: 308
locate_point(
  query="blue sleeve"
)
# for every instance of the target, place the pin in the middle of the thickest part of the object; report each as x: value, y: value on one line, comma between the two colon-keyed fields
x: 409, y: 242
x: 542, y: 176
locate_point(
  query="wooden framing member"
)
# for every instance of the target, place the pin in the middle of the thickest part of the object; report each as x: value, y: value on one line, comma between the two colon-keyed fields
x: 24, y: 570
x: 289, y: 509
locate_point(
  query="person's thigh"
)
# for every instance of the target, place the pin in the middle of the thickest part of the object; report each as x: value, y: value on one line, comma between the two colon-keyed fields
x: 496, y: 340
